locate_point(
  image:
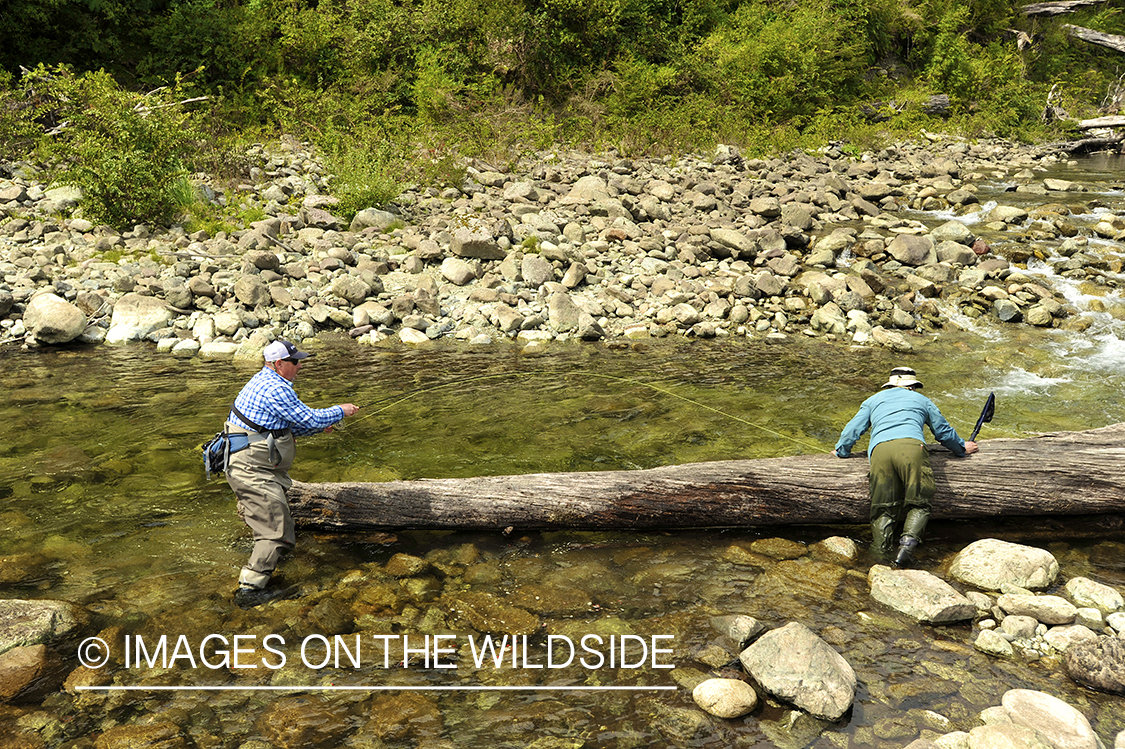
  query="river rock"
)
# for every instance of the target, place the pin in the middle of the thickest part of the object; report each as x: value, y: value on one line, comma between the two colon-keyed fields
x: 373, y: 218
x: 794, y: 664
x: 990, y: 564
x: 725, y: 698
x: 1061, y: 638
x: 912, y: 250
x: 1061, y: 725
x: 135, y: 316
x: 1099, y: 664
x: 1047, y: 609
x: 487, y: 614
x: 159, y: 735
x: 51, y: 319
x: 1005, y: 736
x: 476, y: 238
x: 298, y: 722
x: 1086, y: 592
x: 404, y: 716
x: 920, y: 595
x: 741, y: 629
x: 28, y: 672
x: 457, y: 271
x: 991, y: 642
x: 33, y: 622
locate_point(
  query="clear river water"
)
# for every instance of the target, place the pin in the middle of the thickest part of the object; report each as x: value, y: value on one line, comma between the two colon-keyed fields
x: 103, y: 502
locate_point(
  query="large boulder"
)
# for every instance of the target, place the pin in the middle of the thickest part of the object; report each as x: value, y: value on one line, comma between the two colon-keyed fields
x: 794, y: 664
x: 919, y: 595
x: 990, y: 564
x: 1099, y: 664
x: 477, y: 238
x: 135, y: 316
x: 52, y: 319
x: 1056, y: 721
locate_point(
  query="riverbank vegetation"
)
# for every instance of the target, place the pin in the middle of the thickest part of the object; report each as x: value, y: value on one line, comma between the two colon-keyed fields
x: 131, y: 96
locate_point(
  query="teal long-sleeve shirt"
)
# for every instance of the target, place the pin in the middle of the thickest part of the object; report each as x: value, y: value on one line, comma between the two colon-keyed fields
x: 898, y: 413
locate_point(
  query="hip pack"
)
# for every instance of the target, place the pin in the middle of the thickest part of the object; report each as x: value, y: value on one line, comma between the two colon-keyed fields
x: 218, y: 449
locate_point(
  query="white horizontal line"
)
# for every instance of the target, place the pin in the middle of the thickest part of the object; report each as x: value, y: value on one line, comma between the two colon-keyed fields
x: 331, y: 688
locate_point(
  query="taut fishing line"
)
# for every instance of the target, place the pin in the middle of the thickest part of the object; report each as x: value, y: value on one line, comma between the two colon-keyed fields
x: 396, y: 400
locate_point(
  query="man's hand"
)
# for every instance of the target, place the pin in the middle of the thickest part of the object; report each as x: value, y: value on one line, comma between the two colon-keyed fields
x: 970, y: 448
x: 350, y: 409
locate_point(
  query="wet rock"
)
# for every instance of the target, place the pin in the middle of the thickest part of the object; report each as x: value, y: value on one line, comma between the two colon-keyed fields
x: 794, y: 664
x: 29, y: 672
x: 17, y: 569
x: 404, y: 716
x: 1047, y: 609
x: 739, y: 628
x: 725, y: 698
x: 912, y: 250
x: 485, y: 613
x: 990, y: 564
x: 25, y: 623
x: 1006, y: 735
x: 406, y: 565
x: 1062, y: 638
x: 920, y: 595
x: 1086, y: 592
x: 1054, y: 720
x: 1099, y: 664
x: 552, y: 600
x: 299, y: 722
x: 152, y: 736
x: 993, y: 643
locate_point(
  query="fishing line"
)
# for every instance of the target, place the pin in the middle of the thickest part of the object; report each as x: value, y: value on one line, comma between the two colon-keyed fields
x: 396, y: 400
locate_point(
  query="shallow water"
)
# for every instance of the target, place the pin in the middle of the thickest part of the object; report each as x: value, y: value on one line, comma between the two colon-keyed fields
x: 104, y: 503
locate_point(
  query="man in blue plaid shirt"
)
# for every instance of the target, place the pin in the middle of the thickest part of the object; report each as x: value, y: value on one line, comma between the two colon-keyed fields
x: 269, y: 411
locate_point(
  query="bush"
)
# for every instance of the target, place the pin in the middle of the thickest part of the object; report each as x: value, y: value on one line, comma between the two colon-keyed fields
x: 123, y: 150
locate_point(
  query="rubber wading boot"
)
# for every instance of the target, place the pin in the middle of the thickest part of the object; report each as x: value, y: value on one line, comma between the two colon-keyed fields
x: 247, y: 598
x: 906, y: 547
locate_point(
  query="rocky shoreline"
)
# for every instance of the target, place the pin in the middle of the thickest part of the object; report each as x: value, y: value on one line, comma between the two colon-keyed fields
x: 569, y: 246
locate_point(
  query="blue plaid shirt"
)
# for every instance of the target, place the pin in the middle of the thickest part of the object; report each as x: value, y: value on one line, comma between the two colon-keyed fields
x: 269, y: 400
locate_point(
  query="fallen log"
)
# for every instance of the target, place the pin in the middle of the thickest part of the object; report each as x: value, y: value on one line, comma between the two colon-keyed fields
x: 1058, y: 8
x: 1064, y: 473
x: 1100, y: 38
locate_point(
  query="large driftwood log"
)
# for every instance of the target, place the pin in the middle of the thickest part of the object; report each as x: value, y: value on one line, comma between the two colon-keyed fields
x: 1075, y: 473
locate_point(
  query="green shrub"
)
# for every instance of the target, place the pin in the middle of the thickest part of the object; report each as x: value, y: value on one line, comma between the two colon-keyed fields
x: 123, y: 150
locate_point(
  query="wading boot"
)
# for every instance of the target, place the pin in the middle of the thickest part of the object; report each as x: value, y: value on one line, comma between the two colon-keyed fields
x: 906, y: 547
x: 247, y: 598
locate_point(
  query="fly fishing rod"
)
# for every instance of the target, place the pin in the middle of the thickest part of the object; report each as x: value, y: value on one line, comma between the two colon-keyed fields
x: 397, y: 399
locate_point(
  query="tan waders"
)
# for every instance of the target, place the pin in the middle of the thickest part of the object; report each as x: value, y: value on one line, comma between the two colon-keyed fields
x: 902, y: 491
x: 259, y: 476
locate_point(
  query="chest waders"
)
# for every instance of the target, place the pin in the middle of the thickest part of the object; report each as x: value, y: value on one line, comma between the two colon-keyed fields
x: 901, y: 485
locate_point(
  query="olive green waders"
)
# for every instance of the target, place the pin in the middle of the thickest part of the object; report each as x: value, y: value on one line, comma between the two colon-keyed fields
x: 259, y: 476
x: 901, y: 485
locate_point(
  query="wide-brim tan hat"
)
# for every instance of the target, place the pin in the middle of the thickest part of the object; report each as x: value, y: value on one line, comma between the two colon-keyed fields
x: 903, y: 377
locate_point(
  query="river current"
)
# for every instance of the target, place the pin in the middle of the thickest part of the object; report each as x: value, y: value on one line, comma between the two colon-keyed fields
x: 104, y: 503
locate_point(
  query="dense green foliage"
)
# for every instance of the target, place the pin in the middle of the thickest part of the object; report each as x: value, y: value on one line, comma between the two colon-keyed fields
x: 391, y: 89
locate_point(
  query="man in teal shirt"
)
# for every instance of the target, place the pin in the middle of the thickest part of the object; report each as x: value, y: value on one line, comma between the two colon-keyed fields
x: 900, y: 478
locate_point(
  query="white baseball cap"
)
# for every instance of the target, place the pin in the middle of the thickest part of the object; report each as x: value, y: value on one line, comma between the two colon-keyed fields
x: 279, y: 350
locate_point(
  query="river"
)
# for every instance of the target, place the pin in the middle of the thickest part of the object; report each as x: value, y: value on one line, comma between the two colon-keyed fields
x: 104, y: 503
